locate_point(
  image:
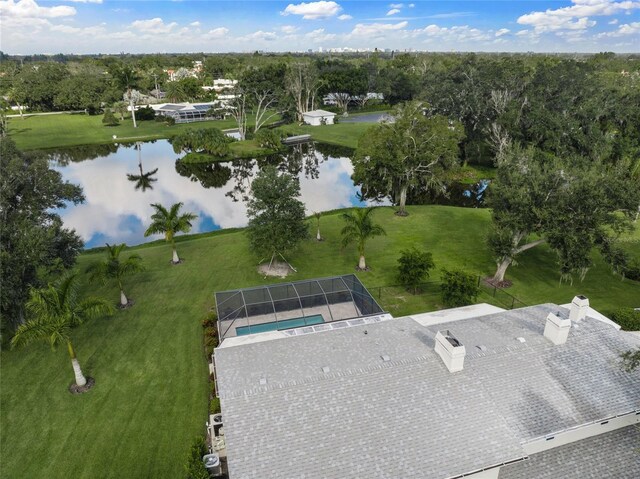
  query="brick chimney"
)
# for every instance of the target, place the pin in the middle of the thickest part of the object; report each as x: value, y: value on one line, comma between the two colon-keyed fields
x: 556, y: 329
x: 451, y: 351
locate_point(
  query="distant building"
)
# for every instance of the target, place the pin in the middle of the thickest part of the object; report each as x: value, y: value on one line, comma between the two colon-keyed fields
x: 318, y: 117
x: 337, y: 388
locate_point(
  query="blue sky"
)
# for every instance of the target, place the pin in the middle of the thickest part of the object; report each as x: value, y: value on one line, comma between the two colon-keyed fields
x: 147, y: 26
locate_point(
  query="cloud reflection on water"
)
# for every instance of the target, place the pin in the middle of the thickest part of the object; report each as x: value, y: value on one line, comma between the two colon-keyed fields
x: 115, y: 212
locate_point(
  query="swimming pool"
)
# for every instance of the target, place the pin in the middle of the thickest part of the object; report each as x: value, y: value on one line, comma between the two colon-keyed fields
x: 276, y: 326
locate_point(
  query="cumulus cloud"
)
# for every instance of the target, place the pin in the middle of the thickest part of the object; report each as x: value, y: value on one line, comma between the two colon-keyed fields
x: 502, y: 31
x: 319, y: 35
x: 30, y: 9
x: 393, y: 11
x: 194, y: 24
x: 313, y: 10
x: 576, y: 16
x: 376, y: 29
x: 623, y: 30
x: 261, y: 36
x: 153, y: 25
x: 216, y: 33
x: 613, y: 22
x: 345, y: 17
x: 396, y: 5
x: 84, y: 1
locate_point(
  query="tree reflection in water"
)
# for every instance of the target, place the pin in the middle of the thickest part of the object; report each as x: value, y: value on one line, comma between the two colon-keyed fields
x: 143, y: 181
x: 301, y: 158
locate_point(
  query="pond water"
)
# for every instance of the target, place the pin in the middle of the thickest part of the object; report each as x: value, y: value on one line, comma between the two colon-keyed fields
x: 121, y: 182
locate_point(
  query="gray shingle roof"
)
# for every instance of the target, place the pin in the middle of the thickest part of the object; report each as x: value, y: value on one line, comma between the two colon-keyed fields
x: 410, y: 417
x: 613, y: 455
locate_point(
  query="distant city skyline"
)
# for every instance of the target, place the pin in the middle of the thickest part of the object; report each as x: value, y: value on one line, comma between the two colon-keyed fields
x: 105, y: 26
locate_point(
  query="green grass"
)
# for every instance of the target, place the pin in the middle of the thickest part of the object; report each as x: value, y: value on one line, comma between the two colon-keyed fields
x: 150, y: 397
x: 240, y: 150
x: 56, y: 131
x: 342, y: 134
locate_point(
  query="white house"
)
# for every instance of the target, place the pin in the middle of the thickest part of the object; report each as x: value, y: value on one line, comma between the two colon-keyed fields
x: 318, y: 117
x: 474, y: 392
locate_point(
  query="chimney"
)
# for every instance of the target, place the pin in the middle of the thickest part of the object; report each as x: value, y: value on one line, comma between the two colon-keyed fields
x: 557, y: 329
x: 579, y: 307
x: 451, y: 351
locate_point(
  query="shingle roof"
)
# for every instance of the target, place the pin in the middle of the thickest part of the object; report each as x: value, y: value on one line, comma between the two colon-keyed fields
x: 613, y: 455
x: 408, y: 416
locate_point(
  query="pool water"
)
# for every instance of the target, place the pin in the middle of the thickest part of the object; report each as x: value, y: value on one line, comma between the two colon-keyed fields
x: 278, y: 325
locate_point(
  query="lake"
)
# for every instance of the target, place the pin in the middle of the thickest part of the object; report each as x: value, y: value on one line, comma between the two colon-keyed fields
x: 121, y: 182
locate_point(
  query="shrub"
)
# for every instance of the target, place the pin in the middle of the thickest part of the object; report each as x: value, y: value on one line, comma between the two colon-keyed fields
x: 214, y: 406
x: 271, y: 139
x: 459, y: 288
x: 414, y: 267
x: 146, y: 113
x: 109, y: 118
x: 627, y: 318
x: 195, y: 467
x: 211, y: 320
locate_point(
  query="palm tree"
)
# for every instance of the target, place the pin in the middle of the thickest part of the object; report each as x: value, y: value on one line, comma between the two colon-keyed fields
x: 113, y: 268
x: 360, y: 228
x: 317, y: 215
x: 55, y: 310
x: 170, y: 222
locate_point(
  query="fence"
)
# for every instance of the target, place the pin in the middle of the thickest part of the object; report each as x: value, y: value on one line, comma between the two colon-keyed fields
x: 397, y: 298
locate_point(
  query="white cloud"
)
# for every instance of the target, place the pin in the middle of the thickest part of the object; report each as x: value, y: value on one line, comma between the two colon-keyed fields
x: 194, y: 24
x: 461, y: 33
x: 261, y: 36
x: 396, y: 5
x: 393, y: 11
x: 84, y: 1
x: 575, y: 17
x: 502, y: 31
x: 623, y: 30
x: 320, y: 35
x: 95, y: 30
x: 411, y: 5
x: 313, y: 10
x: 216, y: 33
x: 613, y: 22
x: 376, y: 29
x: 30, y: 9
x: 345, y: 17
x: 288, y: 29
x: 153, y: 25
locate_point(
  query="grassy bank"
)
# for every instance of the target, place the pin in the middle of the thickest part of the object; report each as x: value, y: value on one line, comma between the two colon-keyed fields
x: 57, y: 131
x: 151, y: 378
x: 342, y: 134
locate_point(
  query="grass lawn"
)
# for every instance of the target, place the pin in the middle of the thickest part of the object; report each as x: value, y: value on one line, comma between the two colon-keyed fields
x: 55, y: 131
x: 342, y: 134
x: 150, y: 397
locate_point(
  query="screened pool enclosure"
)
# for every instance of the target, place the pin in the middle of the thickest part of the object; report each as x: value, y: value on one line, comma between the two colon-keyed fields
x: 293, y: 305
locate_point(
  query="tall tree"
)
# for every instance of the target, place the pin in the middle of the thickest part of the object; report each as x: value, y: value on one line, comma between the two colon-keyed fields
x: 302, y: 83
x: 276, y: 215
x: 573, y: 205
x: 169, y: 222
x: 54, y: 312
x: 33, y: 241
x: 126, y: 78
x: 113, y: 268
x: 264, y: 87
x: 359, y: 229
x: 412, y: 152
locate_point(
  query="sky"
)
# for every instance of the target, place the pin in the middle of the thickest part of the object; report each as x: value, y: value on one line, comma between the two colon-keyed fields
x: 150, y: 26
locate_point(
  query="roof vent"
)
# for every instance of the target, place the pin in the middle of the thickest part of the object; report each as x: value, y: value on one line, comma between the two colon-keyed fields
x: 326, y: 369
x: 521, y: 339
x: 263, y: 381
x: 482, y: 347
x: 385, y: 358
x: 579, y: 307
x: 556, y: 329
x: 451, y: 351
